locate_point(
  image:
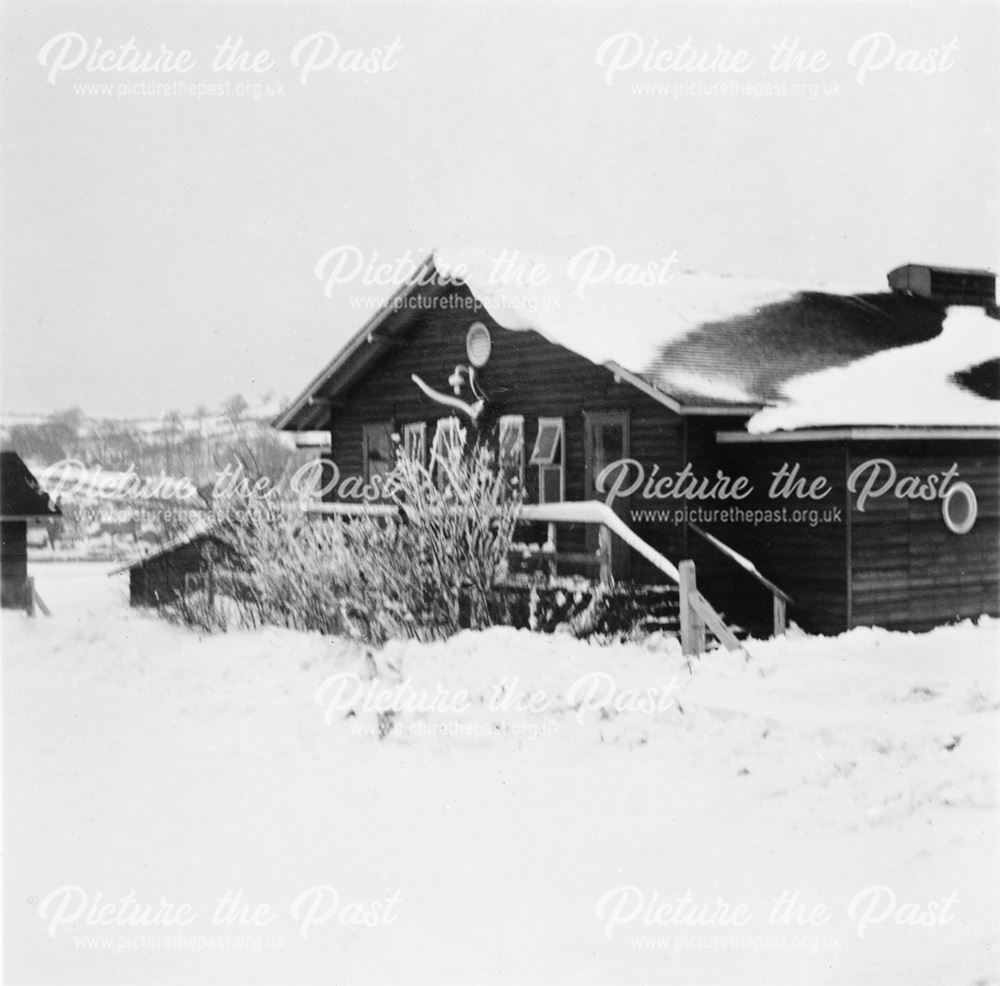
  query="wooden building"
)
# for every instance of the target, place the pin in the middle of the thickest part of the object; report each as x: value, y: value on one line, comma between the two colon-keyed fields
x: 176, y: 567
x: 735, y: 423
x: 22, y: 502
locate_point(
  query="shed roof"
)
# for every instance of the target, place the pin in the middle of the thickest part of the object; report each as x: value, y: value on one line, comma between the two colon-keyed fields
x: 20, y: 494
x: 202, y: 530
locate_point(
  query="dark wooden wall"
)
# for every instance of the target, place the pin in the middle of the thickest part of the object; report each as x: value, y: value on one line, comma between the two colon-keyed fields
x: 526, y: 375
x: 894, y: 565
x: 13, y: 563
x: 908, y: 570
x: 808, y: 560
x: 162, y: 578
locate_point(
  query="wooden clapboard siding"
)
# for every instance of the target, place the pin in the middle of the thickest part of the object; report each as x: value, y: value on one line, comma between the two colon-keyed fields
x: 907, y: 569
x: 657, y: 439
x: 894, y: 564
x: 727, y: 587
x: 808, y: 562
x: 161, y: 578
x: 526, y: 375
x: 13, y: 563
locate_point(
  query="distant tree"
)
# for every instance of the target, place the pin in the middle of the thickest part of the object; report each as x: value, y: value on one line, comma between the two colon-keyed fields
x: 235, y: 408
x: 173, y: 432
x: 65, y: 428
x: 123, y: 444
x: 71, y: 419
x: 56, y: 438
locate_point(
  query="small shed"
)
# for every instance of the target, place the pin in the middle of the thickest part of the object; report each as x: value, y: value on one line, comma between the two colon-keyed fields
x: 168, y: 572
x: 22, y: 502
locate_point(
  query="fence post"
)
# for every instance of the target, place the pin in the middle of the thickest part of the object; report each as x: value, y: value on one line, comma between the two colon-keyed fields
x: 29, y: 600
x: 780, y: 616
x: 692, y: 625
x: 604, y: 553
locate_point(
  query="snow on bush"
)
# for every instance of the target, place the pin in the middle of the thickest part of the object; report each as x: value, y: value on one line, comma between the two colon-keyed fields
x: 422, y: 573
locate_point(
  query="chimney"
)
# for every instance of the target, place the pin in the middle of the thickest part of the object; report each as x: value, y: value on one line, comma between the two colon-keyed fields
x: 948, y: 285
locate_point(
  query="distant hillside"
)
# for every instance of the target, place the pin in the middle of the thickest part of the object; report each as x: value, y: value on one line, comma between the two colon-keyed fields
x: 198, y: 445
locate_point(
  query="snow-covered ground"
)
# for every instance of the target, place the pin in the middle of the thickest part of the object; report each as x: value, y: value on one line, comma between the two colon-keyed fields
x: 148, y: 772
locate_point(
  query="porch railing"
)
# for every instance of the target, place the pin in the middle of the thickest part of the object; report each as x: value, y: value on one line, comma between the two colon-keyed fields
x: 594, y: 512
x: 697, y: 615
x: 780, y: 598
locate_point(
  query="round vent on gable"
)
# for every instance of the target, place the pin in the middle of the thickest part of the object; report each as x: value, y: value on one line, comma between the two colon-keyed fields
x: 960, y: 508
x: 478, y: 344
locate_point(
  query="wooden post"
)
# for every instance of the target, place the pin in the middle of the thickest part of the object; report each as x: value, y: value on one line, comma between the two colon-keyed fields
x: 550, y: 538
x: 533, y: 608
x: 29, y: 600
x: 780, y: 616
x: 692, y: 625
x: 604, y: 554
x: 39, y: 602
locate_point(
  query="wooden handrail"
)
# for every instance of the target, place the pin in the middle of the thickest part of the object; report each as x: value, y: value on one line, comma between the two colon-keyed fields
x: 696, y: 611
x: 595, y: 512
x: 743, y: 562
x: 576, y: 512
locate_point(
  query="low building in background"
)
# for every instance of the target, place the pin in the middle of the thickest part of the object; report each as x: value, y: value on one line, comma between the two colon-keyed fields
x: 22, y: 503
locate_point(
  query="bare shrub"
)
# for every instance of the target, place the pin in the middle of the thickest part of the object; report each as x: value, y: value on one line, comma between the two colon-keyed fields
x: 422, y: 569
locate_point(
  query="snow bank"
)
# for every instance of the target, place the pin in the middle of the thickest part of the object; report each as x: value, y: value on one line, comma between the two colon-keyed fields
x: 533, y: 806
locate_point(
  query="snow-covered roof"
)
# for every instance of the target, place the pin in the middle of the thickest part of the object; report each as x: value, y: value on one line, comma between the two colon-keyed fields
x: 625, y: 324
x: 792, y: 355
x: 807, y: 355
x: 206, y: 527
x: 21, y: 495
x: 910, y: 386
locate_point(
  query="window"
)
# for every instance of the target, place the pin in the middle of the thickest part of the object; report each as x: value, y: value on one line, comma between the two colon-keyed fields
x: 449, y: 438
x: 960, y: 508
x: 549, y: 454
x: 415, y: 441
x: 512, y: 448
x: 478, y: 345
x: 376, y: 450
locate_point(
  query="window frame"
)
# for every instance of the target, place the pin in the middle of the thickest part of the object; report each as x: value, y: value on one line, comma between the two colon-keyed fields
x: 451, y: 425
x: 368, y: 430
x: 506, y: 421
x: 972, y: 506
x: 557, y: 461
x: 418, y: 429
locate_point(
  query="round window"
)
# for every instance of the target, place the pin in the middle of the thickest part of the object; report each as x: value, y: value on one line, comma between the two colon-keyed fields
x: 478, y: 344
x: 960, y: 508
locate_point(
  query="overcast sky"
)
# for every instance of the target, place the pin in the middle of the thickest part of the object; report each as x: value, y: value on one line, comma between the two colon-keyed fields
x: 159, y: 250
